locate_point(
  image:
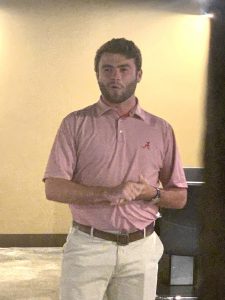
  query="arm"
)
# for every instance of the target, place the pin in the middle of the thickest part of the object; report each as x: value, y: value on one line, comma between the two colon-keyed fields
x: 169, y: 198
x: 173, y: 198
x: 66, y: 191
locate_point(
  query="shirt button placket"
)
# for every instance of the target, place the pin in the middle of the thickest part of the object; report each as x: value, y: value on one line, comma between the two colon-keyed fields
x: 120, y: 131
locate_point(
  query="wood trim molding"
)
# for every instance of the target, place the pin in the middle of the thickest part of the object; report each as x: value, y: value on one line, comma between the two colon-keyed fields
x: 32, y: 240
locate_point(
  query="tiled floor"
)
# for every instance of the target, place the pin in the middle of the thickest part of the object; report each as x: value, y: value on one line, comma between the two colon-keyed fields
x: 33, y: 274
x: 29, y: 273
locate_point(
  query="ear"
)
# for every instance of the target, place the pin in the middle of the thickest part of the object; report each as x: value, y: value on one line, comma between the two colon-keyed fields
x: 139, y: 75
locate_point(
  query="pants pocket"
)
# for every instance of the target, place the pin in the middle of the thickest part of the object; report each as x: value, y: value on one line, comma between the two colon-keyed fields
x: 159, y: 245
x: 69, y: 236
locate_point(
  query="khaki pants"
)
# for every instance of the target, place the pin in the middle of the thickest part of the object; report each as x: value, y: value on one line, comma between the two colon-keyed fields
x: 96, y: 269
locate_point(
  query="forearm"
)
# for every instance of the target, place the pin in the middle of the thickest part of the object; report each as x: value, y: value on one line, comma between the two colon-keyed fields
x: 169, y: 198
x: 173, y: 198
x: 66, y: 191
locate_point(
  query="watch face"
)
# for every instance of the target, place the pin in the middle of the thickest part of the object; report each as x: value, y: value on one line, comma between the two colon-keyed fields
x: 156, y: 199
x: 157, y: 194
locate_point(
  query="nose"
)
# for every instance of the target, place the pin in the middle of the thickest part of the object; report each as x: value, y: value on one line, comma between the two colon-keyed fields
x: 116, y: 74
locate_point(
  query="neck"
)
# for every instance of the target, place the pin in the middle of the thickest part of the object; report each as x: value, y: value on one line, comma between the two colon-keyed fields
x: 122, y: 108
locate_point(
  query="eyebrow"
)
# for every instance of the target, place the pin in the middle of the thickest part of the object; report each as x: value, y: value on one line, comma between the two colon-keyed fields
x: 119, y: 66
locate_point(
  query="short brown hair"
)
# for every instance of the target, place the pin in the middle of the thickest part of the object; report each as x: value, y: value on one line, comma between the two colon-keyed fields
x: 120, y: 46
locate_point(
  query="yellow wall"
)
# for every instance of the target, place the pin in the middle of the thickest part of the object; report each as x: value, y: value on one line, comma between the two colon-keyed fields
x: 46, y: 71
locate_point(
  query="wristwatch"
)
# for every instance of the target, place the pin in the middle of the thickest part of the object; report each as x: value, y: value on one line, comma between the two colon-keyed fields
x: 156, y: 198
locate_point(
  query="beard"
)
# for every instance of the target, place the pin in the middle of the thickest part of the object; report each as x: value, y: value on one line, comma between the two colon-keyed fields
x: 118, y: 95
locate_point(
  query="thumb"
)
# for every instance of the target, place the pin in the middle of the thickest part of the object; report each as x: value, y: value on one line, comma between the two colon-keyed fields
x: 143, y: 179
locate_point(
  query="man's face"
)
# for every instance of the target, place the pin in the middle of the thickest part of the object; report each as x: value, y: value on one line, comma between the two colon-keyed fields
x: 117, y: 77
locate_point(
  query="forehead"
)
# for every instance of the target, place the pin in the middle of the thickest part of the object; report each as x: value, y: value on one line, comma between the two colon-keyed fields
x: 115, y: 59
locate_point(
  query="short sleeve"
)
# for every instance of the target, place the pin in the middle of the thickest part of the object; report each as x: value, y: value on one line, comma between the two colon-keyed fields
x: 172, y: 172
x: 62, y: 158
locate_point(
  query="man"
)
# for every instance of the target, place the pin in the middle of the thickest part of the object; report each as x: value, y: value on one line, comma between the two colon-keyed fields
x: 107, y: 162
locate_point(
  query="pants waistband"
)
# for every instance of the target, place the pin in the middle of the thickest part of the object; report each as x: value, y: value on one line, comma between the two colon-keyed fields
x: 123, y: 238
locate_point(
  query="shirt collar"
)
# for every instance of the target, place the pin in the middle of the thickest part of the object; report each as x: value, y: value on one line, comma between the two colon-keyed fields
x: 137, y: 111
x: 102, y: 108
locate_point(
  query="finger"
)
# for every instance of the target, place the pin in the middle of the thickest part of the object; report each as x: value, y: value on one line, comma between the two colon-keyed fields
x: 115, y: 202
x: 139, y: 188
x: 129, y: 193
x: 132, y: 190
x: 122, y: 201
x: 135, y: 190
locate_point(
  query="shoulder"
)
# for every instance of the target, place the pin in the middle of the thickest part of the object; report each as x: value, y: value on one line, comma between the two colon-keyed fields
x: 74, y: 120
x: 74, y: 116
x: 156, y: 122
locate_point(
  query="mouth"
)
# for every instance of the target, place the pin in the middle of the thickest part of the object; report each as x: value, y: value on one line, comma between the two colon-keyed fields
x: 115, y: 86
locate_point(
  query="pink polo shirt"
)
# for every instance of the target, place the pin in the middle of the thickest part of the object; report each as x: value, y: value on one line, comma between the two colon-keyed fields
x: 96, y: 147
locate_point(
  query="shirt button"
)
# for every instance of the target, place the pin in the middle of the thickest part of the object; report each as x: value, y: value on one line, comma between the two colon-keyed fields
x: 121, y: 131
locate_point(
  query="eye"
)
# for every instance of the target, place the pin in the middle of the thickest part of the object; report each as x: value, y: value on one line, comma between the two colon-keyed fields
x: 107, y: 69
x: 124, y: 69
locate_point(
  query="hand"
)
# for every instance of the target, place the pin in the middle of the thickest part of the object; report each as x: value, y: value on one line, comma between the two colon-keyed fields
x: 125, y: 192
x: 149, y: 191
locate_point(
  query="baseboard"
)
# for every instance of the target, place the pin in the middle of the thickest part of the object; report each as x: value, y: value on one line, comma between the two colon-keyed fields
x: 32, y: 240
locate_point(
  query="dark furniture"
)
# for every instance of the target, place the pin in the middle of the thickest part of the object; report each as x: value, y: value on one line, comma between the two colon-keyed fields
x: 179, y: 232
